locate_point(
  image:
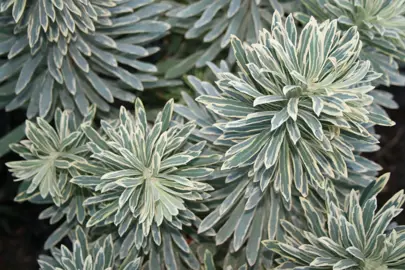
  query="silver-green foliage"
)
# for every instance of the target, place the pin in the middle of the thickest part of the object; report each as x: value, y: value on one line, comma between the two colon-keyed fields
x: 360, y: 170
x: 97, y: 255
x: 145, y: 182
x: 297, y: 105
x: 293, y: 119
x: 353, y: 236
x: 291, y: 125
x: 232, y: 187
x: 50, y: 155
x: 216, y: 21
x: 241, y: 211
x: 194, y: 111
x: 381, y: 25
x: 77, y: 53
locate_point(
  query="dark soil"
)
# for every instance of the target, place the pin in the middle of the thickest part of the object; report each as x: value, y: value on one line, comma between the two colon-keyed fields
x: 391, y: 156
x: 22, y: 235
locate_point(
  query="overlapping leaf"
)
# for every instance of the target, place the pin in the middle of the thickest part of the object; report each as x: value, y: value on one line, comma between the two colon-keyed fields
x: 49, y: 154
x: 86, y: 255
x: 350, y: 237
x: 198, y: 113
x: 147, y: 183
x: 292, y: 126
x: 294, y: 106
x: 76, y: 53
x: 293, y: 119
x: 216, y: 21
x: 380, y: 23
x: 48, y: 166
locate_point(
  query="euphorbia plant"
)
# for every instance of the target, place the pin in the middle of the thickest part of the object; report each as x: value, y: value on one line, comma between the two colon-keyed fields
x: 76, y: 53
x: 353, y: 236
x: 292, y: 116
x: 261, y: 169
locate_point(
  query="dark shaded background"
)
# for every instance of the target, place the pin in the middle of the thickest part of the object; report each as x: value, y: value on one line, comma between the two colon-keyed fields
x: 21, y: 233
x: 391, y: 156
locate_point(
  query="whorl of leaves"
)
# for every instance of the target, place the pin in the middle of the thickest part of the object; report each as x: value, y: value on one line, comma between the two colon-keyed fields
x: 215, y: 21
x: 297, y: 106
x: 380, y: 23
x: 351, y: 237
x: 145, y: 182
x: 360, y: 171
x: 98, y: 255
x: 237, y: 201
x: 48, y: 166
x: 48, y: 157
x: 77, y: 53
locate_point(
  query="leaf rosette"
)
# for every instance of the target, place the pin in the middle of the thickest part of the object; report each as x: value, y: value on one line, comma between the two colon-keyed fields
x: 380, y: 24
x: 352, y: 236
x: 294, y: 118
x: 239, y: 207
x: 50, y: 154
x: 297, y: 104
x: 97, y: 255
x: 145, y: 183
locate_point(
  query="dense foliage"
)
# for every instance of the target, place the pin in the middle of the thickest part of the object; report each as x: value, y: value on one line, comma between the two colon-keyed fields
x: 215, y: 21
x: 380, y: 24
x: 145, y: 182
x: 75, y: 53
x: 258, y: 164
x: 98, y: 255
x: 345, y: 237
